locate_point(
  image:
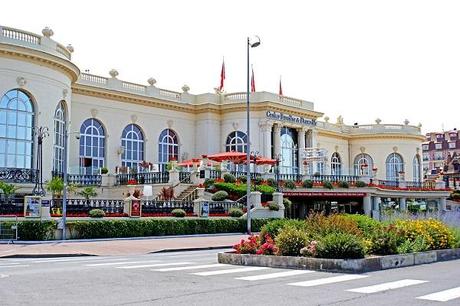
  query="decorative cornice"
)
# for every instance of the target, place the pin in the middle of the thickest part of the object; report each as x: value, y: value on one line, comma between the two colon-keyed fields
x: 42, y: 58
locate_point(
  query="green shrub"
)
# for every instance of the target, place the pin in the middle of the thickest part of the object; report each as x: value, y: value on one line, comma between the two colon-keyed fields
x: 360, y: 184
x: 265, y: 189
x: 90, y: 229
x: 271, y: 182
x: 290, y: 241
x: 96, y: 213
x: 287, y: 203
x: 343, y: 184
x: 88, y: 192
x: 328, y: 185
x: 434, y: 232
x: 220, y: 195
x: 242, y: 179
x: 208, y: 182
x: 318, y: 225
x: 366, y: 224
x: 36, y: 230
x: 384, y: 241
x: 289, y: 184
x: 456, y: 234
x: 408, y: 246
x: 273, y: 206
x: 307, y: 184
x: 272, y: 228
x: 104, y: 170
x: 235, y: 212
x: 234, y: 189
x: 178, y: 213
x: 229, y: 178
x: 258, y: 180
x: 340, y: 245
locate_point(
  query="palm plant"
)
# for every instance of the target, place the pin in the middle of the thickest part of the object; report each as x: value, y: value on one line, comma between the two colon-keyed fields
x: 88, y: 192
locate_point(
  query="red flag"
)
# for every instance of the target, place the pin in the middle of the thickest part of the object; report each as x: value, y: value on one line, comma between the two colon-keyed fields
x: 222, y: 76
x: 281, y: 89
x: 253, y: 82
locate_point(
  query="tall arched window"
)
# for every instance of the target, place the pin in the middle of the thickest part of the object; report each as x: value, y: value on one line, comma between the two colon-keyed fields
x: 168, y: 146
x: 416, y: 168
x: 16, y: 123
x: 289, y: 164
x: 236, y: 141
x: 132, y: 140
x: 336, y: 164
x: 394, y: 165
x: 59, y: 130
x: 92, y: 146
x: 363, y: 164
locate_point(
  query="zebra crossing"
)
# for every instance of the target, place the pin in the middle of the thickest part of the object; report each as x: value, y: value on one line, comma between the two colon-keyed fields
x: 203, y: 265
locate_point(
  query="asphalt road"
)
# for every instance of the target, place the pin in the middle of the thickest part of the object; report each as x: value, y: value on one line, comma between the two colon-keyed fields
x: 195, y: 278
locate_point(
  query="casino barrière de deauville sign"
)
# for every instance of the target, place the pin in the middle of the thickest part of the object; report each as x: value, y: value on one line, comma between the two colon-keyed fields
x: 290, y: 118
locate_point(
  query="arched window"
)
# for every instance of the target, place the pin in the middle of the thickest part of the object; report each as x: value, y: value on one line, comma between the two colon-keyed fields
x: 132, y: 140
x: 236, y: 141
x: 168, y: 146
x: 416, y: 168
x: 395, y: 165
x: 59, y: 130
x: 92, y: 146
x: 16, y: 135
x: 336, y: 164
x: 288, y: 164
x: 363, y: 164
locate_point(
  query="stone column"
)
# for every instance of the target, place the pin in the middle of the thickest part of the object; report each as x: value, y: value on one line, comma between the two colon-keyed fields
x: 367, y: 205
x: 301, y: 141
x: 442, y: 204
x: 376, y: 208
x: 314, y: 145
x: 266, y: 138
x: 277, y: 139
x: 256, y: 199
x: 278, y: 199
x: 402, y: 204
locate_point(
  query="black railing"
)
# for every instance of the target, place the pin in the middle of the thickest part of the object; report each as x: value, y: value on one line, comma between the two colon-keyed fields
x: 17, y: 175
x: 55, y: 173
x: 165, y: 207
x: 83, y: 206
x: 143, y: 178
x: 333, y: 178
x: 222, y: 207
x: 13, y: 205
x: 388, y: 183
x: 184, y: 177
x: 85, y: 179
x: 414, y: 184
x: 214, y: 174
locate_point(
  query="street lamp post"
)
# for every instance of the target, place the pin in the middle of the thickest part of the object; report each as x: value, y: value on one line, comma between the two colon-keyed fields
x: 277, y: 173
x: 248, y: 146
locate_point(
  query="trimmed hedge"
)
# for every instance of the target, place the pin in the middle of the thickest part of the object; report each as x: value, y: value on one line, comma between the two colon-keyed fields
x: 34, y: 230
x: 158, y: 227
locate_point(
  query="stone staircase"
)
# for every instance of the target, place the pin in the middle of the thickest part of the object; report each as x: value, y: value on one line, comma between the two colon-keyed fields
x: 189, y: 192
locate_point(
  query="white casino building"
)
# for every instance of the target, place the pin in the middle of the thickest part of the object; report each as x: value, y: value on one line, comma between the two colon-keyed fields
x: 122, y: 124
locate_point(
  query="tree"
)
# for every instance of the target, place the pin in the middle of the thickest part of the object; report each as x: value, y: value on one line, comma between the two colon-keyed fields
x: 88, y: 192
x: 55, y: 186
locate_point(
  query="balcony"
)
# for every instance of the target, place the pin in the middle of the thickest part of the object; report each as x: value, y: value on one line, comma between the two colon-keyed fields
x: 142, y: 178
x: 18, y: 175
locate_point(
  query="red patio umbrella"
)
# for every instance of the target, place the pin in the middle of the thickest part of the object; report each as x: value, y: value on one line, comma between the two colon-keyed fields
x: 189, y: 162
x: 261, y: 161
x: 235, y: 157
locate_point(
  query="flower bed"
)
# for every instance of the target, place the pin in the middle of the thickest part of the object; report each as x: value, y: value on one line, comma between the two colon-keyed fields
x: 347, y: 243
x: 347, y: 237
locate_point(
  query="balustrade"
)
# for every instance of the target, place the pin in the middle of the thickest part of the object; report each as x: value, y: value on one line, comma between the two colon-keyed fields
x: 143, y: 178
x: 84, y: 179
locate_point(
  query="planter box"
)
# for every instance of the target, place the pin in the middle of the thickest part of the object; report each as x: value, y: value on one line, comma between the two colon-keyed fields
x: 340, y: 265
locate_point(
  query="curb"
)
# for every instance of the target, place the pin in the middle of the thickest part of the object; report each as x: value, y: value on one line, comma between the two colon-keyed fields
x: 26, y: 242
x: 362, y: 265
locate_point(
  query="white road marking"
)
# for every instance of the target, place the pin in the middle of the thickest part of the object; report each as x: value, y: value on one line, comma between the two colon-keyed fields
x: 120, y: 263
x: 13, y: 266
x: 190, y: 267
x: 70, y: 259
x: 328, y: 280
x: 4, y: 276
x: 275, y: 275
x: 228, y: 271
x: 388, y: 286
x: 156, y: 265
x: 442, y: 296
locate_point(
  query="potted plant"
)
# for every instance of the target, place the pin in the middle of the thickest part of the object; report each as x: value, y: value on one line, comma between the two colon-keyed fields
x: 55, y: 186
x: 88, y: 192
x: 8, y: 190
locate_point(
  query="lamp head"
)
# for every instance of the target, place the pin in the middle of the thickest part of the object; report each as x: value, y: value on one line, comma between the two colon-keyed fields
x: 254, y: 44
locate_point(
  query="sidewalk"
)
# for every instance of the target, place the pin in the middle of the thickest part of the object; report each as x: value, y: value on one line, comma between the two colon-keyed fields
x: 120, y: 247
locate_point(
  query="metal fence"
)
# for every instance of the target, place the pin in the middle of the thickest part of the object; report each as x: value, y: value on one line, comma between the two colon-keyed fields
x: 143, y: 178
x: 9, y: 228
